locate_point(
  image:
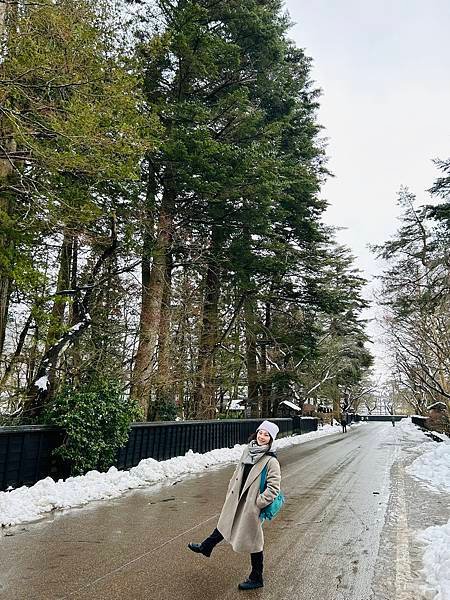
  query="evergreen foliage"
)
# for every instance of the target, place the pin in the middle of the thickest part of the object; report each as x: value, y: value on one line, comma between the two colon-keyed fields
x: 96, y: 418
x: 415, y: 294
x: 178, y: 139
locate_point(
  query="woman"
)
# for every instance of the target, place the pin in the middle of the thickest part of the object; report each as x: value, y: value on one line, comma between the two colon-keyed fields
x: 239, y: 522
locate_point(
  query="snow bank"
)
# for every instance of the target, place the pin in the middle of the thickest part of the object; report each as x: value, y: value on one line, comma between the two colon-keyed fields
x: 436, y: 559
x: 294, y: 440
x: 407, y: 427
x: 432, y: 467
x: 30, y: 503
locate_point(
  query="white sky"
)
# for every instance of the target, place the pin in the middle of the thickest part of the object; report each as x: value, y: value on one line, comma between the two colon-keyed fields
x: 384, y: 71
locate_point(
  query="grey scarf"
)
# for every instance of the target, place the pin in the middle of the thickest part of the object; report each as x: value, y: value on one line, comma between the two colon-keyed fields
x: 253, y: 453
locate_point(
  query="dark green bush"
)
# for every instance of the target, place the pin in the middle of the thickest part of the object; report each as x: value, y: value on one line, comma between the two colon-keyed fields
x: 97, y: 419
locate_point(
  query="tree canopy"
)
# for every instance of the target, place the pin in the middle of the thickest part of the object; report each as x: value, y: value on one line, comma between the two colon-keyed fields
x: 161, y: 220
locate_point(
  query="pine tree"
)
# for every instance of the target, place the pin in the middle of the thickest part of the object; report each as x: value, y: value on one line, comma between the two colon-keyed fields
x: 415, y: 294
x: 72, y: 107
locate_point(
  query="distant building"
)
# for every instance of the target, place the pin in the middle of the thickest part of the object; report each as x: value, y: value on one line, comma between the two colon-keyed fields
x: 286, y: 408
x: 322, y: 408
x: 437, y: 408
x: 235, y: 408
x: 309, y: 410
x: 438, y: 419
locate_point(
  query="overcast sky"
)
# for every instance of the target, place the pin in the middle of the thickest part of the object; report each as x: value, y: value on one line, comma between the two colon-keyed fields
x: 384, y: 70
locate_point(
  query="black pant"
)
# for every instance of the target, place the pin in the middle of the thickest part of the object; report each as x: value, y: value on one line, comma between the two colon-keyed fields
x: 257, y: 558
x: 211, y: 542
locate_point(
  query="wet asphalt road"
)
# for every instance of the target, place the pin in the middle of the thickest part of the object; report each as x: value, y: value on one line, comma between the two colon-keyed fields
x: 323, y: 546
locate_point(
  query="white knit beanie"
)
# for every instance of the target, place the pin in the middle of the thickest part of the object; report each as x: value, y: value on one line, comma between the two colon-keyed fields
x: 270, y: 427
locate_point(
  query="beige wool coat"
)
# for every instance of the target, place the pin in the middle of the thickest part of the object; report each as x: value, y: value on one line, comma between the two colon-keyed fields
x: 239, y: 521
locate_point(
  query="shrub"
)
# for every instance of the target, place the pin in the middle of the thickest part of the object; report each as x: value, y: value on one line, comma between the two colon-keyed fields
x: 96, y: 418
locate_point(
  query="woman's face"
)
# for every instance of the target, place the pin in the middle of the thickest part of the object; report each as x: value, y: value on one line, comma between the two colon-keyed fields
x: 262, y: 437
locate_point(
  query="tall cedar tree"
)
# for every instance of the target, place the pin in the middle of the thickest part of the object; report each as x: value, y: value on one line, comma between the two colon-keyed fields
x: 72, y: 112
x: 230, y: 87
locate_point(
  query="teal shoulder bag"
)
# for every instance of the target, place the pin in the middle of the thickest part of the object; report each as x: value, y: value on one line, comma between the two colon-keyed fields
x: 269, y: 512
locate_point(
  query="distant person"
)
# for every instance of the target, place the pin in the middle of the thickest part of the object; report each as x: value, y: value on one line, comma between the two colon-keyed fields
x: 321, y: 422
x: 393, y: 421
x: 344, y: 423
x: 239, y: 522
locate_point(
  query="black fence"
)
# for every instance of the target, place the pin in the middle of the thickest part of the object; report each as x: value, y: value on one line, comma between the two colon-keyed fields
x: 26, y: 452
x: 419, y: 421
x: 161, y: 440
x: 379, y: 417
x: 422, y: 422
x: 304, y: 424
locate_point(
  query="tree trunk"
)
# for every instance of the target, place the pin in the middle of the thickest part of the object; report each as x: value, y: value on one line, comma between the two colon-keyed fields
x: 182, y: 372
x: 165, y: 396
x: 75, y: 306
x: 56, y: 325
x: 2, y: 20
x: 251, y: 354
x: 38, y: 390
x: 33, y: 354
x: 63, y: 283
x: 6, y: 246
x: 266, y: 386
x: 336, y: 402
x: 153, y: 278
x: 4, y: 304
x: 14, y: 359
x: 205, y: 385
x: 8, y: 146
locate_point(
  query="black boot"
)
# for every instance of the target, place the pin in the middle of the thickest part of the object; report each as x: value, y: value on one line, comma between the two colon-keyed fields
x: 248, y: 584
x: 208, y: 545
x: 199, y: 549
x: 255, y: 579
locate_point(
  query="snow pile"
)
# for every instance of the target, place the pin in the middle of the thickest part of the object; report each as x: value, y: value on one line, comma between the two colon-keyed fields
x: 436, y: 559
x: 294, y: 440
x: 27, y: 504
x: 150, y: 470
x: 30, y: 503
x: 410, y: 430
x: 441, y: 436
x: 432, y: 467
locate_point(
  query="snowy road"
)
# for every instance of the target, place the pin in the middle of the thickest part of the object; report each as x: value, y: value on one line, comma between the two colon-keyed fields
x: 323, y: 546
